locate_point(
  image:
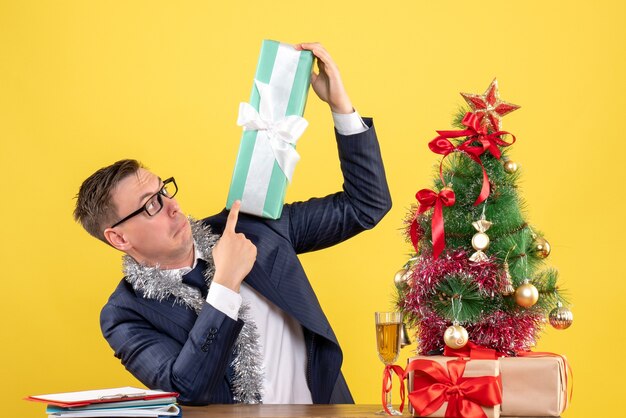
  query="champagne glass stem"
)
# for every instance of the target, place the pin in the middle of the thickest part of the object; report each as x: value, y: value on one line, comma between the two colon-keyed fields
x: 388, y: 397
x: 388, y: 400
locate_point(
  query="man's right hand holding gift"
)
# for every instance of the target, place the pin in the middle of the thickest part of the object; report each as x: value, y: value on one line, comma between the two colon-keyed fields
x: 328, y: 86
x: 327, y: 83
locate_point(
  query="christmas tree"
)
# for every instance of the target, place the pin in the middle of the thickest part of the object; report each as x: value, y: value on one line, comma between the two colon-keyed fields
x: 479, y: 269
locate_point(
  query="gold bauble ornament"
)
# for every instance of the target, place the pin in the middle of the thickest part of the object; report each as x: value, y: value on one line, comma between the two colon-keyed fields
x: 561, y: 317
x: 542, y: 247
x: 455, y: 336
x: 526, y: 295
x: 510, y: 166
x: 401, y: 277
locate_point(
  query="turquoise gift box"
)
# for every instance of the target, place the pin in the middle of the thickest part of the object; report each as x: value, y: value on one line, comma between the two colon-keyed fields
x: 279, y: 94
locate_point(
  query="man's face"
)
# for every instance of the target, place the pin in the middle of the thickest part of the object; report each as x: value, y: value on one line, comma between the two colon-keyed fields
x: 163, y: 239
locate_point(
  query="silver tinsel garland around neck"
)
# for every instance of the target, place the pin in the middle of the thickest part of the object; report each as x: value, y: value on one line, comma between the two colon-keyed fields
x: 154, y: 283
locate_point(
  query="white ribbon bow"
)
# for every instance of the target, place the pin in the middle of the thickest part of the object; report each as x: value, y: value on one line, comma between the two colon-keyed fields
x: 282, y: 134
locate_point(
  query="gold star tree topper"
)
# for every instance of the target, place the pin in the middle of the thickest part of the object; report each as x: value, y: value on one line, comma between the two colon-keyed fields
x: 490, y: 106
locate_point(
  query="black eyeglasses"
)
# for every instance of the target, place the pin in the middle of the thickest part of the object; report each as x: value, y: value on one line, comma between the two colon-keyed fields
x: 155, y: 202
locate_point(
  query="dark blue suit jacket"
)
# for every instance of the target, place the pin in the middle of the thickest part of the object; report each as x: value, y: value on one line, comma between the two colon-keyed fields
x: 168, y: 346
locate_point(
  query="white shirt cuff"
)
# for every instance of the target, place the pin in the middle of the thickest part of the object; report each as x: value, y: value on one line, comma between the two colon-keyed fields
x: 224, y: 300
x: 349, y: 123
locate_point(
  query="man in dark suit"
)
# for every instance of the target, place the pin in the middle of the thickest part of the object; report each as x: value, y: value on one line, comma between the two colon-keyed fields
x: 220, y: 310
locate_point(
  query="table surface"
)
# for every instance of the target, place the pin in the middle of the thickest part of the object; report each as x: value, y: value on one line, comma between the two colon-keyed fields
x: 340, y: 411
x: 279, y: 411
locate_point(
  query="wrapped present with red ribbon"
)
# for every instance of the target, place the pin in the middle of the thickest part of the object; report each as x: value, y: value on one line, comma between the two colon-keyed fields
x: 543, y: 377
x: 454, y: 387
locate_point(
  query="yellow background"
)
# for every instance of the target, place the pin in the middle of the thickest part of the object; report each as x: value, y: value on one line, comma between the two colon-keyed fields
x: 84, y: 83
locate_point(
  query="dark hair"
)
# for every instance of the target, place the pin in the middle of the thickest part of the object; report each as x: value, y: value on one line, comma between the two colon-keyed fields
x: 95, y: 209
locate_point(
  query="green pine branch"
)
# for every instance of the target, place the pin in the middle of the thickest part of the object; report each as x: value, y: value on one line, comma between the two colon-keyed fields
x: 459, y: 299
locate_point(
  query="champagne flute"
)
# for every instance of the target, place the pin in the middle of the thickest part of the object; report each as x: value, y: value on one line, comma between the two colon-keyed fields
x: 388, y: 325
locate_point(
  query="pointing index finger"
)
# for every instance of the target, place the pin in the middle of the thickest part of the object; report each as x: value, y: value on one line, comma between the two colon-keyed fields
x: 233, y: 215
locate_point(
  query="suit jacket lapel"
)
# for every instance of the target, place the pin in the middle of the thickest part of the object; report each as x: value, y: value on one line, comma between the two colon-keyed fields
x: 292, y: 294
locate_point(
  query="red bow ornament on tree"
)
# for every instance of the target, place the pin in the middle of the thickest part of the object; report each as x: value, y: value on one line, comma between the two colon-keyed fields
x: 433, y: 385
x: 475, y: 132
x: 428, y: 199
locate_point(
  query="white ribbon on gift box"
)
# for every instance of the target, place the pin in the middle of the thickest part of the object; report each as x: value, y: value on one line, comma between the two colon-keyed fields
x: 275, y: 140
x: 280, y: 134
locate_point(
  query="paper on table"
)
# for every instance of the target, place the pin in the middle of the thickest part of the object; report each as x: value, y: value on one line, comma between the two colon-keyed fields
x: 151, y: 411
x: 87, y: 397
x: 136, y: 403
